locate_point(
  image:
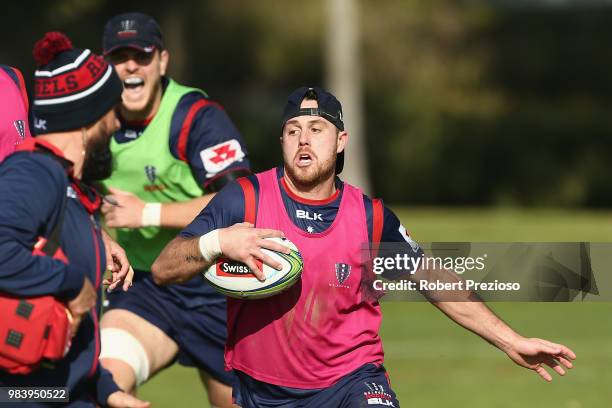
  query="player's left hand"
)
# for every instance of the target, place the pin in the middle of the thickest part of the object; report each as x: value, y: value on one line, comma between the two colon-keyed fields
x: 126, y: 212
x: 535, y: 353
x: 117, y: 264
x: 120, y: 399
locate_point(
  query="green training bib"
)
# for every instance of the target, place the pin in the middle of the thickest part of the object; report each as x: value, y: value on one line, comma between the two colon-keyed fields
x: 147, y: 168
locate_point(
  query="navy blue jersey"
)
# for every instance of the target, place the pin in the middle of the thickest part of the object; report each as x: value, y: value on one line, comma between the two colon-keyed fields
x: 33, y: 187
x: 210, y: 130
x: 227, y: 208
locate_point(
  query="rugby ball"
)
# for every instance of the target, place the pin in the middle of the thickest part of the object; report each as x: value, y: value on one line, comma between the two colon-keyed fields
x: 235, y: 279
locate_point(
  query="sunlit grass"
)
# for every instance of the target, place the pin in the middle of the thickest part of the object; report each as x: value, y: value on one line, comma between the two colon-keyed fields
x: 434, y: 363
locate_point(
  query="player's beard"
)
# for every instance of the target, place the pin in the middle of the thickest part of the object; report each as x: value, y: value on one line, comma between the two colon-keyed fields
x: 98, y: 164
x: 310, y: 176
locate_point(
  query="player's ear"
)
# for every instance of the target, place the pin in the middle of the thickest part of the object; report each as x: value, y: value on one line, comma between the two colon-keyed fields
x: 342, y: 141
x: 164, y: 57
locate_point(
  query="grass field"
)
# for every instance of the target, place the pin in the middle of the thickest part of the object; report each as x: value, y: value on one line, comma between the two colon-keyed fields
x: 434, y: 363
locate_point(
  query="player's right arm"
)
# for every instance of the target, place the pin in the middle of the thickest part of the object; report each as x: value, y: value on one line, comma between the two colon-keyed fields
x: 217, y: 231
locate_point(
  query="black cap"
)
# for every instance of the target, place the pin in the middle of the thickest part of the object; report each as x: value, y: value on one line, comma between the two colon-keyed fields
x: 132, y: 30
x: 328, y: 105
x: 329, y: 108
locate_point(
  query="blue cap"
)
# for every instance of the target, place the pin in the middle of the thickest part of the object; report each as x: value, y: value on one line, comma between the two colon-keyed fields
x: 328, y: 105
x: 132, y: 30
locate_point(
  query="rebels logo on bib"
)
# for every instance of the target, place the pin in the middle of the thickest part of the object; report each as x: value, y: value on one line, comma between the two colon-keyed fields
x: 220, y: 156
x: 226, y: 267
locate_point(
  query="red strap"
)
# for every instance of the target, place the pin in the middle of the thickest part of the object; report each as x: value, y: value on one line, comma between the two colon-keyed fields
x: 34, y: 144
x: 184, y: 134
x: 249, y: 199
x: 90, y: 205
x: 28, y: 145
x: 38, y: 250
x: 377, y: 223
x: 61, y: 256
x: 31, y: 144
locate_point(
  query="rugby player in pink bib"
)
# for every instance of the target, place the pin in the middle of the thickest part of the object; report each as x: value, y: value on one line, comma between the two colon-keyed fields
x: 316, y: 344
x: 14, y: 126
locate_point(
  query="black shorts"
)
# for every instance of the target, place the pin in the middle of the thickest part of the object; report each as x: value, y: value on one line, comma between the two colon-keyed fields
x: 366, y: 387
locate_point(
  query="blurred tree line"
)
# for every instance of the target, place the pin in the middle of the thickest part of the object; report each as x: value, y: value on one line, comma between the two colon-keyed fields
x: 466, y: 103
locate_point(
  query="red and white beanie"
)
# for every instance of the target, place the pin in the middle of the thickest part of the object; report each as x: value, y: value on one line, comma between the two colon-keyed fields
x: 73, y: 87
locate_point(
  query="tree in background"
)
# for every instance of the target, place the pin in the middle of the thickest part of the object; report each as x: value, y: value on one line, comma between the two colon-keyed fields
x: 479, y: 103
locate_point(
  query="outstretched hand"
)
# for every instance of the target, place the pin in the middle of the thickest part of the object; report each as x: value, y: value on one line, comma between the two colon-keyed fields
x: 241, y: 242
x: 535, y: 353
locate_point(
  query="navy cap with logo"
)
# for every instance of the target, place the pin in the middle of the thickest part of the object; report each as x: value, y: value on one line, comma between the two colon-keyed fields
x: 329, y: 108
x: 132, y: 30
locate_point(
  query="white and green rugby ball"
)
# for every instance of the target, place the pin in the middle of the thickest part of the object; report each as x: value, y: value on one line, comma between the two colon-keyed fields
x: 235, y: 279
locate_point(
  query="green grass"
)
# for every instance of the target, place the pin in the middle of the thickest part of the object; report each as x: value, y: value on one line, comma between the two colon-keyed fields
x: 434, y: 363
x: 476, y: 224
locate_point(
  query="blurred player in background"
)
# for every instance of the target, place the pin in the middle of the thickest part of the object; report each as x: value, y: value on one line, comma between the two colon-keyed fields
x: 174, y: 150
x: 316, y: 344
x: 46, y: 182
x: 14, y: 124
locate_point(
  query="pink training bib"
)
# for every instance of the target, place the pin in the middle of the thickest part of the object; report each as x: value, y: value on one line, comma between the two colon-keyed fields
x: 14, y: 127
x: 320, y: 329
